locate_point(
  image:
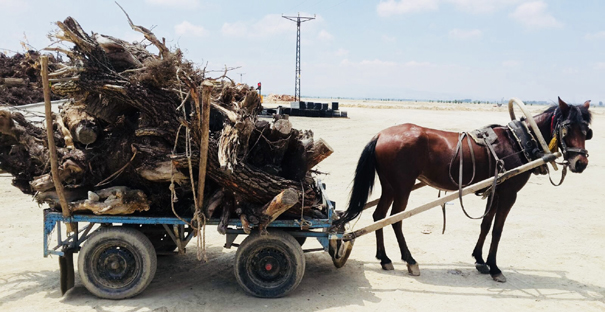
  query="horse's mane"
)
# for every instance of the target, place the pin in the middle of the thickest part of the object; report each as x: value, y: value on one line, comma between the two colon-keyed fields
x: 575, y: 115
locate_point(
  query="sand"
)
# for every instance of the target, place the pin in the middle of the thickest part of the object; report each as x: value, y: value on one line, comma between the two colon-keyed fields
x: 552, y: 250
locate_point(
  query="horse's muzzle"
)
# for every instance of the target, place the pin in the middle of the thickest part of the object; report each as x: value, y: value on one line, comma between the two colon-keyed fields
x: 578, y: 163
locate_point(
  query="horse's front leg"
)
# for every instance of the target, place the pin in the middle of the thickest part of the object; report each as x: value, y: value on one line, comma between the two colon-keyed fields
x: 505, y: 203
x: 486, y: 224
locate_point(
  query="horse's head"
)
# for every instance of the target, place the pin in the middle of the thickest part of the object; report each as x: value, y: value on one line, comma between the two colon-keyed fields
x: 570, y: 126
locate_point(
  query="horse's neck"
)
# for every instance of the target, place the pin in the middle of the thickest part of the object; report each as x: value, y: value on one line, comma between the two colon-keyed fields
x: 544, y: 123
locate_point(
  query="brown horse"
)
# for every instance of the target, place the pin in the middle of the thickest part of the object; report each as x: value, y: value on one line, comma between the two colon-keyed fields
x: 404, y: 153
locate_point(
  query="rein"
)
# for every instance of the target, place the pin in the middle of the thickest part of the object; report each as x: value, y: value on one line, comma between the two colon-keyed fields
x: 460, y: 183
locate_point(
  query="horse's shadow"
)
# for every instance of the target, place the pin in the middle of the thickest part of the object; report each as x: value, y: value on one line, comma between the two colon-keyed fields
x: 534, y: 284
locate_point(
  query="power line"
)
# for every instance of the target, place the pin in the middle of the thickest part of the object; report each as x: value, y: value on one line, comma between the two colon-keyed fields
x: 298, y: 19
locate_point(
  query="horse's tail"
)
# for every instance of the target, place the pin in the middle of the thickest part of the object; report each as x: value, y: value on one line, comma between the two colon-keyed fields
x: 363, y: 183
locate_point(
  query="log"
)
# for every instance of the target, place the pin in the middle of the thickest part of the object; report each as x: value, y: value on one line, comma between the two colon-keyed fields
x: 213, y: 202
x: 320, y: 151
x: 42, y: 183
x: 12, y: 82
x: 281, y: 128
x: 69, y: 142
x: 282, y: 202
x: 81, y: 125
x: 7, y: 125
x: 161, y: 172
x: 119, y: 200
x: 228, y: 207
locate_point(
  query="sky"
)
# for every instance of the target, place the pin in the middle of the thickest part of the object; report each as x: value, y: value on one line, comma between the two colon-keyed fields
x: 406, y: 49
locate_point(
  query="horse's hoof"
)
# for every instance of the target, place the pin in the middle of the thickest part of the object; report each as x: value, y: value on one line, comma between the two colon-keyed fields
x: 482, y: 268
x: 414, y: 269
x: 499, y: 278
x: 387, y: 266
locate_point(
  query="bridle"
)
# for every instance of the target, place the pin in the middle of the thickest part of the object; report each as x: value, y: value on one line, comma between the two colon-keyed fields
x: 560, y: 129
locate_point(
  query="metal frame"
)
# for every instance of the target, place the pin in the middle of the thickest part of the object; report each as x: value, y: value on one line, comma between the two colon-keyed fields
x: 317, y: 228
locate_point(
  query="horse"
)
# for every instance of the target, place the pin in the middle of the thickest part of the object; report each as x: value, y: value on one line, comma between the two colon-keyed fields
x: 404, y: 153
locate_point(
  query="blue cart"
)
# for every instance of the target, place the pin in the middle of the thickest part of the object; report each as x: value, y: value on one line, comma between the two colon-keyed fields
x: 117, y: 254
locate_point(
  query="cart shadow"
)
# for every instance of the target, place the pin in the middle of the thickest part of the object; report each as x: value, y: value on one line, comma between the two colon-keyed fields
x: 521, y: 284
x: 19, y: 285
x: 182, y: 283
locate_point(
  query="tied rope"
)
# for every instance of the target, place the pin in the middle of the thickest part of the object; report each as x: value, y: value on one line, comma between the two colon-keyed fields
x: 199, y: 217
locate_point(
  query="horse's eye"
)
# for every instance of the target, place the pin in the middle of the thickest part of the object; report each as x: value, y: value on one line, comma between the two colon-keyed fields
x: 589, y: 134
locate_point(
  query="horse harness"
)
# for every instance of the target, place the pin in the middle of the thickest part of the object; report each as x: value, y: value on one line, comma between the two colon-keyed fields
x: 526, y: 142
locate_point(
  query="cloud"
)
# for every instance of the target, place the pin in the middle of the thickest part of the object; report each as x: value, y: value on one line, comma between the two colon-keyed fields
x: 14, y: 6
x: 511, y: 64
x: 392, y: 7
x: 269, y: 25
x: 341, y: 52
x: 386, y: 38
x: 418, y: 64
x: 595, y: 36
x: 324, y: 36
x: 189, y: 4
x: 534, y: 15
x: 481, y: 6
x: 187, y: 29
x: 600, y: 66
x: 465, y: 34
x: 377, y: 62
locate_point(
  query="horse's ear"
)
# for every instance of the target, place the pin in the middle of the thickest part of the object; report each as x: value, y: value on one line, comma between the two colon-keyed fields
x: 563, y: 107
x: 587, y: 104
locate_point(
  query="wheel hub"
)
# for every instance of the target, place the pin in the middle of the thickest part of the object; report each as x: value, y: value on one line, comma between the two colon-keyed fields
x: 116, y: 267
x: 269, y: 265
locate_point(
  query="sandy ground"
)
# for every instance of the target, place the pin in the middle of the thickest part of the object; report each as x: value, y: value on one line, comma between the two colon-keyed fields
x: 552, y: 250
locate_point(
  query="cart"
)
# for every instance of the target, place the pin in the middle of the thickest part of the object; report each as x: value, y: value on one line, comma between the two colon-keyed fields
x: 119, y: 258
x: 117, y: 254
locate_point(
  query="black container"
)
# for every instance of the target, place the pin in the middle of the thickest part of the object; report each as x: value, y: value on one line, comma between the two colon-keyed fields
x: 329, y: 113
x: 317, y: 106
x: 312, y: 113
x: 285, y: 111
x: 324, y: 106
x: 295, y: 112
x: 335, y: 105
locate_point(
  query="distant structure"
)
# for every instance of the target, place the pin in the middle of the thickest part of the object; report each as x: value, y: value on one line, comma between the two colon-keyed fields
x: 600, y: 103
x: 298, y: 19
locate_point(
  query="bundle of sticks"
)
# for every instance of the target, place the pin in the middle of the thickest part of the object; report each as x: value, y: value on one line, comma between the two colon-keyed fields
x: 128, y: 140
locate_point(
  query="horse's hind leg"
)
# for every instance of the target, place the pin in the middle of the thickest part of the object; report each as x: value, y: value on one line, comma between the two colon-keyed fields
x: 381, y: 211
x: 486, y: 224
x: 398, y: 206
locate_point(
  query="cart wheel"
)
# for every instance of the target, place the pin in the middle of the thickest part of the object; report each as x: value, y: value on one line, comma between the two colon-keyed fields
x: 117, y: 263
x: 340, y: 251
x: 269, y: 266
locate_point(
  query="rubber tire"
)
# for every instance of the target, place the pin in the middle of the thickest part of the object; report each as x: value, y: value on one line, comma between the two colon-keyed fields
x: 132, y: 243
x: 279, y: 244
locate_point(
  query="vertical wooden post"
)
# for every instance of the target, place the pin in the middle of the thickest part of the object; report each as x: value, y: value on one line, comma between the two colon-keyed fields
x: 52, y: 149
x: 205, y: 127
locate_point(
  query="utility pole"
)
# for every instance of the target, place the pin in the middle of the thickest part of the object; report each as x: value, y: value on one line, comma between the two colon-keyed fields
x: 298, y: 19
x: 240, y: 76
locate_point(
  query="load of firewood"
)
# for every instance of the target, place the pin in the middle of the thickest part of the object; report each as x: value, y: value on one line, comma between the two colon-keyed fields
x: 20, y: 78
x: 128, y: 141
